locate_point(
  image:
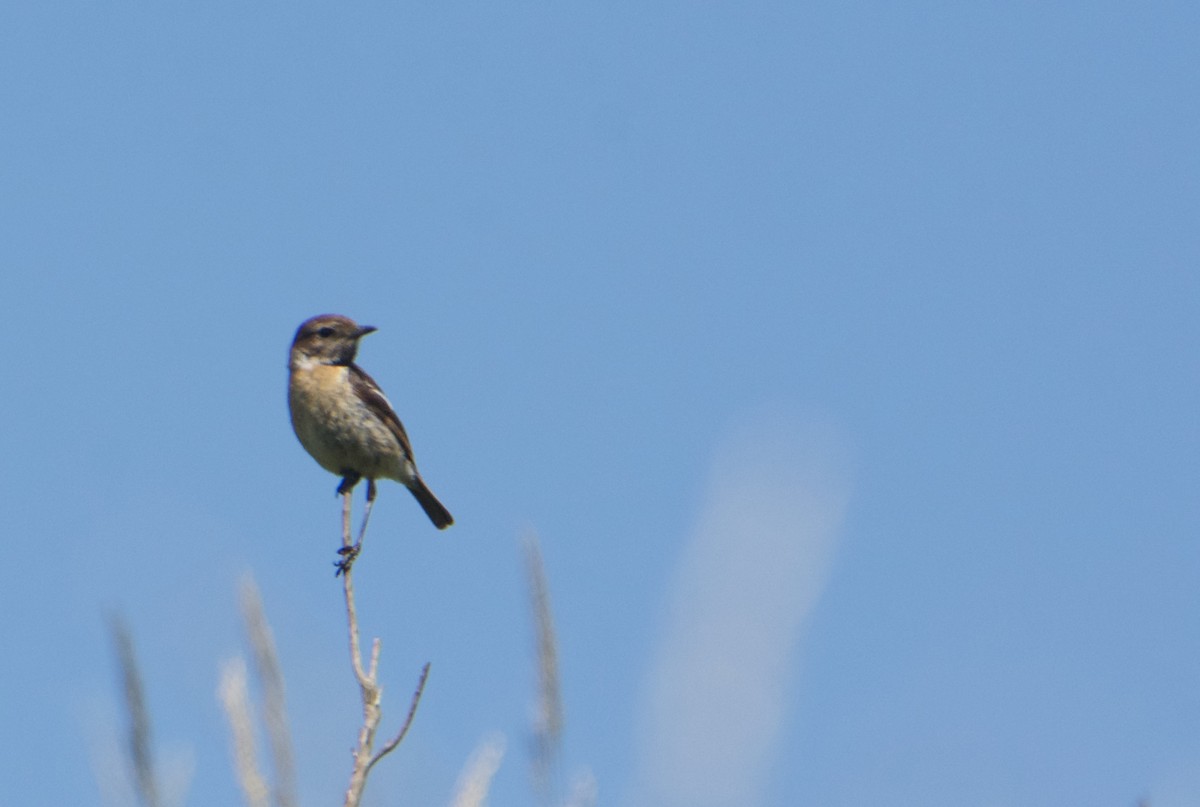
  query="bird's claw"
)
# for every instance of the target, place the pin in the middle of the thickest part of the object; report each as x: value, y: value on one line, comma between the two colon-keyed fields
x: 348, y: 553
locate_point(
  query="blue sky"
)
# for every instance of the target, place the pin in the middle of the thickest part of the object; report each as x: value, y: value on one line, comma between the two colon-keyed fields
x: 911, y: 287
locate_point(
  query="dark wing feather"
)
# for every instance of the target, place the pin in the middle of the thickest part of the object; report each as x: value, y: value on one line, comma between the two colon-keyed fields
x: 369, y: 392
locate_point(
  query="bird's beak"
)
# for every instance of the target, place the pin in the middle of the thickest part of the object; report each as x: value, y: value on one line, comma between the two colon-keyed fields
x: 363, y: 330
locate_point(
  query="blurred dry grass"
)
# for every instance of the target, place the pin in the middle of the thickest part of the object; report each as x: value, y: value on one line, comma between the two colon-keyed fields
x: 548, y: 715
x: 138, y: 744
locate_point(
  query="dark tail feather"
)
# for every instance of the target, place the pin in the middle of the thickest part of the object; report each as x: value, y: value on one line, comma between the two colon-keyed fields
x: 436, y: 511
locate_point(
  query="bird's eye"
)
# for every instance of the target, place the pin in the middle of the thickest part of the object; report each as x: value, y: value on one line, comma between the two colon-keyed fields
x: 326, y: 331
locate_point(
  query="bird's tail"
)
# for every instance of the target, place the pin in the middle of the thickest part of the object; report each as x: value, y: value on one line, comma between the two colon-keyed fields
x: 436, y: 511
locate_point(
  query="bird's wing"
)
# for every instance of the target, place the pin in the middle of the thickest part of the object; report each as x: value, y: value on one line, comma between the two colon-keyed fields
x: 369, y: 392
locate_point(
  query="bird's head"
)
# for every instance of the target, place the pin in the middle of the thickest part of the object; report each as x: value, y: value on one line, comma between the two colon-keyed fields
x: 328, y: 339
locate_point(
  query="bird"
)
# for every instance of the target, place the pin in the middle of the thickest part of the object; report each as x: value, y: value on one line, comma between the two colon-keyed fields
x: 343, y: 419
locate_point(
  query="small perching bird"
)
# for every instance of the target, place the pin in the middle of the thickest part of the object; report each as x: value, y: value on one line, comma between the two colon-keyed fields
x: 344, y: 420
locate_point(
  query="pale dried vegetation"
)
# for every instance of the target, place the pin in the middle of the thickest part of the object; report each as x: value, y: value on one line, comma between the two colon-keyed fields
x: 274, y: 784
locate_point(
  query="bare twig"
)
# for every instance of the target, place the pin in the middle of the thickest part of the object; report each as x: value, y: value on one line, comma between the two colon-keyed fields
x: 140, y: 755
x: 364, y: 680
x: 235, y: 697
x: 369, y: 691
x: 391, y: 744
x: 368, y: 681
x: 266, y: 663
x: 346, y: 543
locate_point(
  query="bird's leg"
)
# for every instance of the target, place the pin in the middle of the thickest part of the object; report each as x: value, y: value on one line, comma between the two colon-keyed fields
x: 343, y: 565
x: 366, y: 514
x: 348, y: 551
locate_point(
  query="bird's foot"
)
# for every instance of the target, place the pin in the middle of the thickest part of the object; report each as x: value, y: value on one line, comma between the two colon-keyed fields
x: 349, y: 554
